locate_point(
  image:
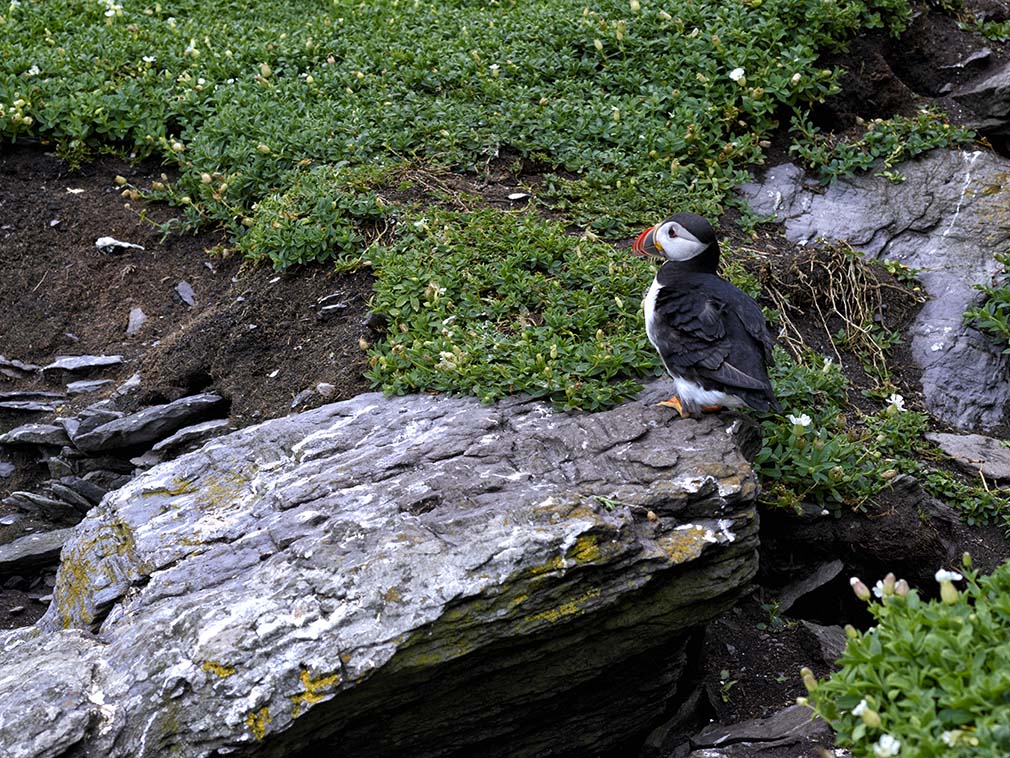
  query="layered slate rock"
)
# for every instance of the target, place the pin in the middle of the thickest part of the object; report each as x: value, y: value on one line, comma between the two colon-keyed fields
x: 949, y: 219
x: 147, y: 425
x: 418, y: 576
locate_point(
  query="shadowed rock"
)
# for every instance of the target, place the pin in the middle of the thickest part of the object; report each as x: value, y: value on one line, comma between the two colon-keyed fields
x: 417, y: 576
x: 32, y: 551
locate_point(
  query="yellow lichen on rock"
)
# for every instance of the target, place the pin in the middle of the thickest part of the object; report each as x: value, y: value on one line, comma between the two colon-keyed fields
x: 573, y: 607
x: 257, y: 722
x: 685, y: 544
x: 315, y: 689
x: 218, y: 669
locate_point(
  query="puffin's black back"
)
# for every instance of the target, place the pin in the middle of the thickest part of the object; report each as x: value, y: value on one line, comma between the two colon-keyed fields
x: 714, y: 334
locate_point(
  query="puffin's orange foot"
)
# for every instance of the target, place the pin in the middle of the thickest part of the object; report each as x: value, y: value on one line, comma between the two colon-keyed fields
x: 674, y: 402
x: 712, y: 408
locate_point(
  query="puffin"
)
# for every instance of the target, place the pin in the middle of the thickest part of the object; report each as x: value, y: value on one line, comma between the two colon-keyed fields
x: 712, y: 337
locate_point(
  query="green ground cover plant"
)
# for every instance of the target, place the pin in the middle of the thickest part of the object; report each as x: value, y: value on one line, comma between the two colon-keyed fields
x: 993, y: 315
x: 931, y: 678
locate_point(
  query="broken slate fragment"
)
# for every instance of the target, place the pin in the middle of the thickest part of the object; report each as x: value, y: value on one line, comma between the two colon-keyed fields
x: 331, y: 304
x: 193, y: 434
x: 14, y: 369
x: 150, y: 424
x: 40, y: 505
x: 136, y: 321
x: 27, y: 406
x: 185, y: 292
x: 36, y: 434
x: 70, y: 496
x: 83, y: 362
x: 88, y: 490
x: 85, y: 386
x: 128, y: 386
x: 32, y: 551
x: 795, y: 725
x: 112, y: 246
x: 30, y: 395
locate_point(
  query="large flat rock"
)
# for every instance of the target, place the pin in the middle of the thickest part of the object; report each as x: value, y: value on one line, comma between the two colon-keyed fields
x: 412, y: 576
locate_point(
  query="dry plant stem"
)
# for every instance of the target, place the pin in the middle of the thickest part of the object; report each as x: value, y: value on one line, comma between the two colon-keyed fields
x: 836, y: 283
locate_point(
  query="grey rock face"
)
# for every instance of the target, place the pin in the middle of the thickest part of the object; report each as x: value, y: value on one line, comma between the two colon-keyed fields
x: 949, y: 219
x: 146, y: 426
x: 976, y: 453
x: 417, y: 576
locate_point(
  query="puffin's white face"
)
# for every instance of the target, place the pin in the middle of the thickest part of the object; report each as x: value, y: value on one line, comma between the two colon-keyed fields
x: 669, y: 240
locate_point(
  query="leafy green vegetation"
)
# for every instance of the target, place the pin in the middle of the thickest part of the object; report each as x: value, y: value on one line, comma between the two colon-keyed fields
x: 889, y: 141
x: 993, y: 316
x: 648, y: 106
x: 492, y: 303
x: 930, y: 679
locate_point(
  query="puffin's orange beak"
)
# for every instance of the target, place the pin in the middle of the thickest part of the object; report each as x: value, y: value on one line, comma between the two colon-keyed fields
x: 645, y: 245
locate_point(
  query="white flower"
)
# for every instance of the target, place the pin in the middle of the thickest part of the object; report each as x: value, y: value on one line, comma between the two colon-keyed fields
x: 878, y: 590
x: 858, y: 710
x: 796, y: 78
x: 33, y: 71
x: 737, y: 74
x: 948, y: 576
x: 950, y: 738
x: 803, y: 420
x: 887, y: 746
x: 149, y: 59
x: 897, y: 401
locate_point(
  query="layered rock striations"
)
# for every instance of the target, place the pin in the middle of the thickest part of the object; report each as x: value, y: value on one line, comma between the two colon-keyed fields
x: 417, y: 576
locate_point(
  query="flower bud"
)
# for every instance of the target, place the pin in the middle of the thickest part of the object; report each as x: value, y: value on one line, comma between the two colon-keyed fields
x: 889, y: 581
x: 871, y: 718
x: 850, y: 632
x: 901, y: 588
x: 966, y: 560
x: 861, y: 590
x: 948, y: 592
x: 809, y: 680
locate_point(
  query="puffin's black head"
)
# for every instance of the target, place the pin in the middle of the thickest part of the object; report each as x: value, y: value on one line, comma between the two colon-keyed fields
x: 682, y: 237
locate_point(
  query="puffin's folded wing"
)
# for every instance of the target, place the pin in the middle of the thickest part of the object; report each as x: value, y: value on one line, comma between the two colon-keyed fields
x: 716, y: 330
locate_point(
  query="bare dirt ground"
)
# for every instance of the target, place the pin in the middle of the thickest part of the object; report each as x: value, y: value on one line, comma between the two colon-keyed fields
x: 257, y: 337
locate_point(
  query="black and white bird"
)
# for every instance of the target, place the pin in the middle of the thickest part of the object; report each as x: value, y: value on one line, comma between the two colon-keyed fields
x: 711, y: 336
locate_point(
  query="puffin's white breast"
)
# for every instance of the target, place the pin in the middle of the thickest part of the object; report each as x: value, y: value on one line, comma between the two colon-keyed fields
x: 649, y: 306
